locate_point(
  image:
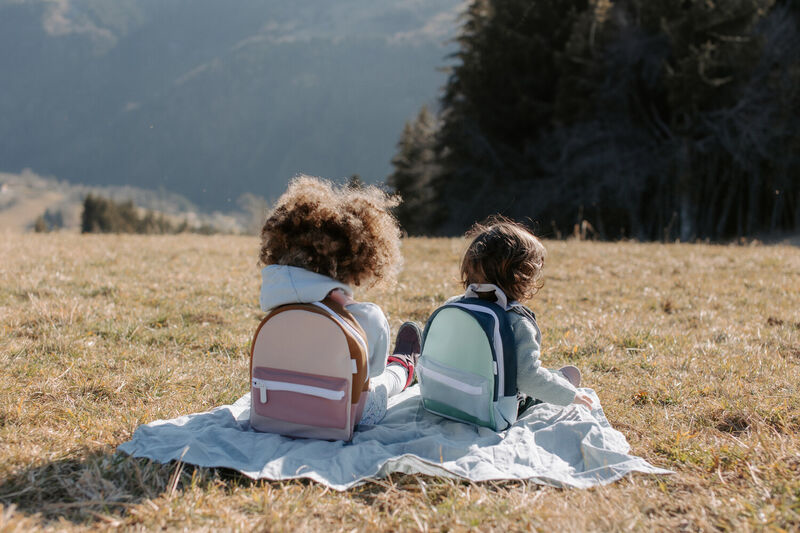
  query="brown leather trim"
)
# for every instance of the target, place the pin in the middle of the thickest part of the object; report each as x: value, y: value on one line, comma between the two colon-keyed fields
x: 346, y: 315
x: 353, y: 345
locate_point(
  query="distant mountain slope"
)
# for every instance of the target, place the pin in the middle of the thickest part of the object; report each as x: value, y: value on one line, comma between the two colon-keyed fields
x: 26, y: 196
x: 213, y: 99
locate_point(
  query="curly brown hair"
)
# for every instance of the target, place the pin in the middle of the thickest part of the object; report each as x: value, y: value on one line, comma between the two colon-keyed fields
x: 504, y: 253
x: 346, y: 233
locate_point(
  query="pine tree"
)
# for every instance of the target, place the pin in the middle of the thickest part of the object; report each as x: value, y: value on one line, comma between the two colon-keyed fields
x: 355, y: 182
x: 415, y: 169
x: 40, y: 225
x: 89, y: 214
x: 499, y: 101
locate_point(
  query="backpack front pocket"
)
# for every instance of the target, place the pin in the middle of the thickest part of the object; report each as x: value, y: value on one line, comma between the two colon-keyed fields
x: 300, y: 398
x: 455, y: 393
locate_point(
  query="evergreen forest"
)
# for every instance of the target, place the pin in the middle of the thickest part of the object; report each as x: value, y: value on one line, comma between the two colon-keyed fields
x: 645, y: 119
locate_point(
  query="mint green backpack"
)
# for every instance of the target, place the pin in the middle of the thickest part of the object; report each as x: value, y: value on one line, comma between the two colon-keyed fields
x: 468, y: 370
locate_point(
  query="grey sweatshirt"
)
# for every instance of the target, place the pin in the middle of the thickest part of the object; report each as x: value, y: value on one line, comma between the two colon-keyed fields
x: 533, y: 379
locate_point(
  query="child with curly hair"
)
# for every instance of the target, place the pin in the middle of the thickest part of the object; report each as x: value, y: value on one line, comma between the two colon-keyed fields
x: 503, y: 264
x: 318, y: 242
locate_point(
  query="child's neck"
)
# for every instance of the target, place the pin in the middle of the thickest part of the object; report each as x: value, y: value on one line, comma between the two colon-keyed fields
x: 488, y: 292
x: 489, y: 296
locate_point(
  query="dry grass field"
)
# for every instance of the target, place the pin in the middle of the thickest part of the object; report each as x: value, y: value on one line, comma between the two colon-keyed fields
x: 694, y: 351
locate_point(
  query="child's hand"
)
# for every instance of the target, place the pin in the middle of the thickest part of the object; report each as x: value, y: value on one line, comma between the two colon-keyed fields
x: 584, y: 399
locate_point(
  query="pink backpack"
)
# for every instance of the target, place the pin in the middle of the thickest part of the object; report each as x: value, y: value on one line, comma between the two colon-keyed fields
x: 309, y: 372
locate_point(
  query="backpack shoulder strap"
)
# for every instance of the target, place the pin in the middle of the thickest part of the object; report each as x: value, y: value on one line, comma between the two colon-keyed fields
x: 525, y: 312
x: 345, y: 314
x: 357, y: 342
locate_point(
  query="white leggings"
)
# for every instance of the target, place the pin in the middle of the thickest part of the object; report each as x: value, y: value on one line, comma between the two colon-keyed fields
x: 381, y: 388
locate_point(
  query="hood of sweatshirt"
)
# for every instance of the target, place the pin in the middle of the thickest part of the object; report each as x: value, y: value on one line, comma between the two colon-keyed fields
x: 281, y: 284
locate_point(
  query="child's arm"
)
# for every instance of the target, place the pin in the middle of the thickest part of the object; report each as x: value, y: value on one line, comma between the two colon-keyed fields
x: 375, y: 325
x: 532, y: 378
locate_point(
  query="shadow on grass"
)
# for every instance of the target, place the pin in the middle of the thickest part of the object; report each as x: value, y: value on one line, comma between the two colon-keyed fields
x: 102, y: 484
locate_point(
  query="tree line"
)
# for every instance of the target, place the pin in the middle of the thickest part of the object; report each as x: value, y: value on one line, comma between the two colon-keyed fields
x: 103, y: 215
x: 651, y: 119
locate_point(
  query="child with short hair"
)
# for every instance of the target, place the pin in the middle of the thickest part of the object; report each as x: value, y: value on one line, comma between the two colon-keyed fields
x: 318, y: 241
x: 503, y: 264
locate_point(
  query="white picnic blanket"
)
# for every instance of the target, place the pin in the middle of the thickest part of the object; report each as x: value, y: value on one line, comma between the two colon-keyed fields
x: 550, y: 445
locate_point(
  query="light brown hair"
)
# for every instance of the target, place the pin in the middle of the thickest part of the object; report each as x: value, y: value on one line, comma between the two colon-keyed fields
x: 504, y: 253
x: 346, y: 233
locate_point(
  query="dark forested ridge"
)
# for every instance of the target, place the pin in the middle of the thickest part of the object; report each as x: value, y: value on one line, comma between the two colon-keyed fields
x: 212, y: 99
x: 652, y: 119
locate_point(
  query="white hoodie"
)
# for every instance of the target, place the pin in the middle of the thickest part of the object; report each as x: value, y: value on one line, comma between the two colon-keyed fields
x: 282, y: 285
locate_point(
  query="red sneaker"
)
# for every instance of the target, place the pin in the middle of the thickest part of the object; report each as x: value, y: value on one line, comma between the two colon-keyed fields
x: 407, y: 347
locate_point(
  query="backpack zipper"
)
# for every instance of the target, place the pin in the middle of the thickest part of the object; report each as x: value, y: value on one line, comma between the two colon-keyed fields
x: 452, y: 382
x: 267, y: 384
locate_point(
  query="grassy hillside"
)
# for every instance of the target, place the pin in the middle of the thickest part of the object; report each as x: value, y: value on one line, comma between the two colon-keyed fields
x: 26, y: 196
x: 694, y: 351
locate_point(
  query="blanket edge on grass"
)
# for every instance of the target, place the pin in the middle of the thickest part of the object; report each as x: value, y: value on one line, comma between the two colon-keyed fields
x: 549, y: 445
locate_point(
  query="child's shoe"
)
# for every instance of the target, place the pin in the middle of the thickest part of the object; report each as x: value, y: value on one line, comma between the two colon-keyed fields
x: 409, y: 339
x: 407, y: 347
x: 572, y: 374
